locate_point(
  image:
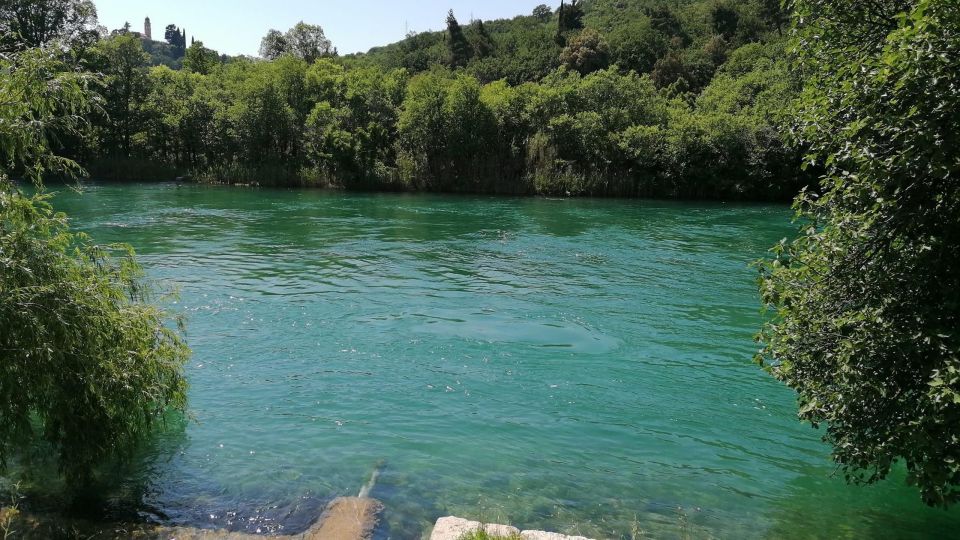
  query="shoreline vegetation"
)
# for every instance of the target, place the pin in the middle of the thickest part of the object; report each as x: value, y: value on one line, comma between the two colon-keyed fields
x: 597, y: 98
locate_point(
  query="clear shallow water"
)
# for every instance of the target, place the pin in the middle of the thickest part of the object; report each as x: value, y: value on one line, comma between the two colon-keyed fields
x: 572, y: 365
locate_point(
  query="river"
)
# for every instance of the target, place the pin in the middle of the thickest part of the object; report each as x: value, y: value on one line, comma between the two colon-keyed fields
x: 573, y: 365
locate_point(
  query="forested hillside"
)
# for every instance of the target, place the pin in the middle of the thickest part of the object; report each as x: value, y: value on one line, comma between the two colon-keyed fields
x: 670, y: 39
x: 621, y: 98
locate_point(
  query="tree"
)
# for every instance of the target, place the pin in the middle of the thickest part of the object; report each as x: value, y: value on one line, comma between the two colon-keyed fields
x: 176, y: 40
x: 570, y: 17
x: 172, y: 35
x: 459, y: 50
x: 274, y: 45
x: 33, y: 23
x: 665, y: 21
x: 867, y: 299
x: 543, y: 12
x: 90, y: 368
x: 308, y: 42
x: 586, y: 53
x: 637, y: 46
x: 446, y: 133
x: 124, y: 63
x: 774, y: 12
x: 482, y: 42
x: 200, y: 59
x: 725, y: 20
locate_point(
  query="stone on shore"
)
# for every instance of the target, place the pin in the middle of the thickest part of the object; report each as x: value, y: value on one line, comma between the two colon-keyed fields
x: 542, y: 535
x: 453, y: 528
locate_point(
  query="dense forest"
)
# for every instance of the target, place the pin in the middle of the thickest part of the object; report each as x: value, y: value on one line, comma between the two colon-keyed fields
x: 620, y: 98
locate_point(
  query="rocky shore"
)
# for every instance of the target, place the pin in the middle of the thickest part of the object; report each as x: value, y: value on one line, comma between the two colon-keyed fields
x: 345, y: 518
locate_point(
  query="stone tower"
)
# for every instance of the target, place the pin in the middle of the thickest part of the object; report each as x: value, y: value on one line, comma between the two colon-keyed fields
x: 146, y: 29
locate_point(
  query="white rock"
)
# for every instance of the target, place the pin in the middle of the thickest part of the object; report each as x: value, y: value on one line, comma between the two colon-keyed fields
x: 541, y: 535
x: 452, y: 528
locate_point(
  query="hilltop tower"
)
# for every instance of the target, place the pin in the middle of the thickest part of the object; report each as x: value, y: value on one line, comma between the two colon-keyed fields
x: 146, y: 29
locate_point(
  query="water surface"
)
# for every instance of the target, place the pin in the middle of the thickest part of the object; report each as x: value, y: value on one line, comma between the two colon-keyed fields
x: 573, y: 365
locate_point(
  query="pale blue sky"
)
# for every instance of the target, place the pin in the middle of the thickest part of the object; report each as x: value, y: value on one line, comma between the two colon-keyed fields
x: 236, y: 26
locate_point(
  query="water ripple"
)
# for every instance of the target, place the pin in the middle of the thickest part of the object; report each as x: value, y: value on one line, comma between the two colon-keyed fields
x: 549, y: 363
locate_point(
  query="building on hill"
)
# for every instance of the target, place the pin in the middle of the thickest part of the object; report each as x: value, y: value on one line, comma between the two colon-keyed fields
x: 146, y: 29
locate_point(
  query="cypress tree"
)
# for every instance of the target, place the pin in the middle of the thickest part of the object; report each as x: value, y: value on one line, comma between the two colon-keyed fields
x: 569, y: 19
x: 483, y: 43
x: 458, y: 47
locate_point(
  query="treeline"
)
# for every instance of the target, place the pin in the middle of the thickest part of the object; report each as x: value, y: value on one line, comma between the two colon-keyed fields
x: 696, y: 110
x: 673, y: 40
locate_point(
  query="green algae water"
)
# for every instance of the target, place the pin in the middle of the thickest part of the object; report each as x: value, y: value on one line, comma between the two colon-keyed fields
x: 582, y: 366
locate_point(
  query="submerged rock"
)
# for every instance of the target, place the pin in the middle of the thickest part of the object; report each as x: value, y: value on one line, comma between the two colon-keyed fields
x: 347, y: 518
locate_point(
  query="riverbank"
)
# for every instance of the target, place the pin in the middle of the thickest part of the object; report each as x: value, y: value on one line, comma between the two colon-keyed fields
x: 568, y: 184
x: 344, y: 518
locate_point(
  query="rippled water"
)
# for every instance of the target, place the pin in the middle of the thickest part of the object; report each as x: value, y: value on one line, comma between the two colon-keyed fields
x: 574, y: 365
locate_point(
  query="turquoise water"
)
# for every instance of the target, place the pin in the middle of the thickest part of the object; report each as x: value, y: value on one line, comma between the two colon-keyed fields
x: 573, y: 365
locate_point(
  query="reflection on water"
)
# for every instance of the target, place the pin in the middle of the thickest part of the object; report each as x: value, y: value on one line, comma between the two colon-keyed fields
x: 581, y: 366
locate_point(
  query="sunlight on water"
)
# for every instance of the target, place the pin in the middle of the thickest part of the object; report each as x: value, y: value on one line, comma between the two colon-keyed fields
x: 581, y: 366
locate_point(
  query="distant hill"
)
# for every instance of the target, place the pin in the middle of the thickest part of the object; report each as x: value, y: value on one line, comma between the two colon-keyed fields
x: 672, y: 39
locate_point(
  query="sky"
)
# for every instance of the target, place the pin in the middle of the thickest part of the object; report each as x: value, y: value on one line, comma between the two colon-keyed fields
x: 236, y: 26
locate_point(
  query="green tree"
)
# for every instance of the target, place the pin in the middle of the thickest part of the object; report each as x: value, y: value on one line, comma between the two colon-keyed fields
x: 867, y: 298
x: 543, y: 13
x: 447, y: 135
x: 89, y: 367
x: 274, y: 45
x: 459, y: 50
x: 482, y: 42
x: 586, y: 53
x: 122, y: 60
x: 725, y: 19
x: 637, y: 46
x: 664, y: 20
x: 570, y: 17
x: 33, y: 23
x: 308, y: 42
x: 200, y: 59
x: 176, y: 40
x: 774, y: 13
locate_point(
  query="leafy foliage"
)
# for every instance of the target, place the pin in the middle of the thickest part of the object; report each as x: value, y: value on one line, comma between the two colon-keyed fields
x: 569, y: 17
x: 122, y: 60
x: 586, y: 53
x: 175, y: 38
x: 459, y: 50
x: 89, y: 366
x: 866, y: 299
x: 518, y: 114
x: 200, y: 59
x: 305, y: 41
x: 33, y: 23
x: 274, y: 45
